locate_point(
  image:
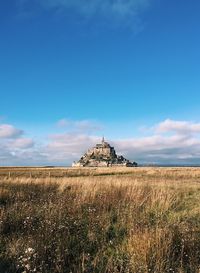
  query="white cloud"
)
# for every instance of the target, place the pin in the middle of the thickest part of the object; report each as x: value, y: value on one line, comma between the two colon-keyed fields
x: 13, y: 144
x: 9, y: 131
x: 183, y: 127
x: 69, y: 146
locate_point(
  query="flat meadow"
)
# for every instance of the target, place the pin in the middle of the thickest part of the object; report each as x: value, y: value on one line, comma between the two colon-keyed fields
x: 104, y: 220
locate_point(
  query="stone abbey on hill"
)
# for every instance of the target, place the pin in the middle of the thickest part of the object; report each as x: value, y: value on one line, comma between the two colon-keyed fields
x: 103, y: 155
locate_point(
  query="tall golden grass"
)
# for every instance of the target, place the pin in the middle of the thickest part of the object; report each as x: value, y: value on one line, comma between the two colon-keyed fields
x: 100, y: 220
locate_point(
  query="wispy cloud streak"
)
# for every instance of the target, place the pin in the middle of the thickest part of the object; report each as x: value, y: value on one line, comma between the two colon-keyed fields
x: 115, y: 11
x: 79, y: 125
x: 92, y: 7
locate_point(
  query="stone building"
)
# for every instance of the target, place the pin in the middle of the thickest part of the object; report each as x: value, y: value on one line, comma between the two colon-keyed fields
x: 103, y: 155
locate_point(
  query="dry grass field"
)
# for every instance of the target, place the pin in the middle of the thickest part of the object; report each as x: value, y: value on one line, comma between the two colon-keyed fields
x: 107, y: 220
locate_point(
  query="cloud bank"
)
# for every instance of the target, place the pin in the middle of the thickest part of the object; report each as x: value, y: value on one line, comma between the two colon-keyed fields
x: 170, y: 142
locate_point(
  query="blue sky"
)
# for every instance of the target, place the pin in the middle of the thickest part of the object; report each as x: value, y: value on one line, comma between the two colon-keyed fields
x: 72, y: 71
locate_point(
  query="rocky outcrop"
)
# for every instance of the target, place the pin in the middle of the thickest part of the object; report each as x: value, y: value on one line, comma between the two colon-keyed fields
x: 103, y: 155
